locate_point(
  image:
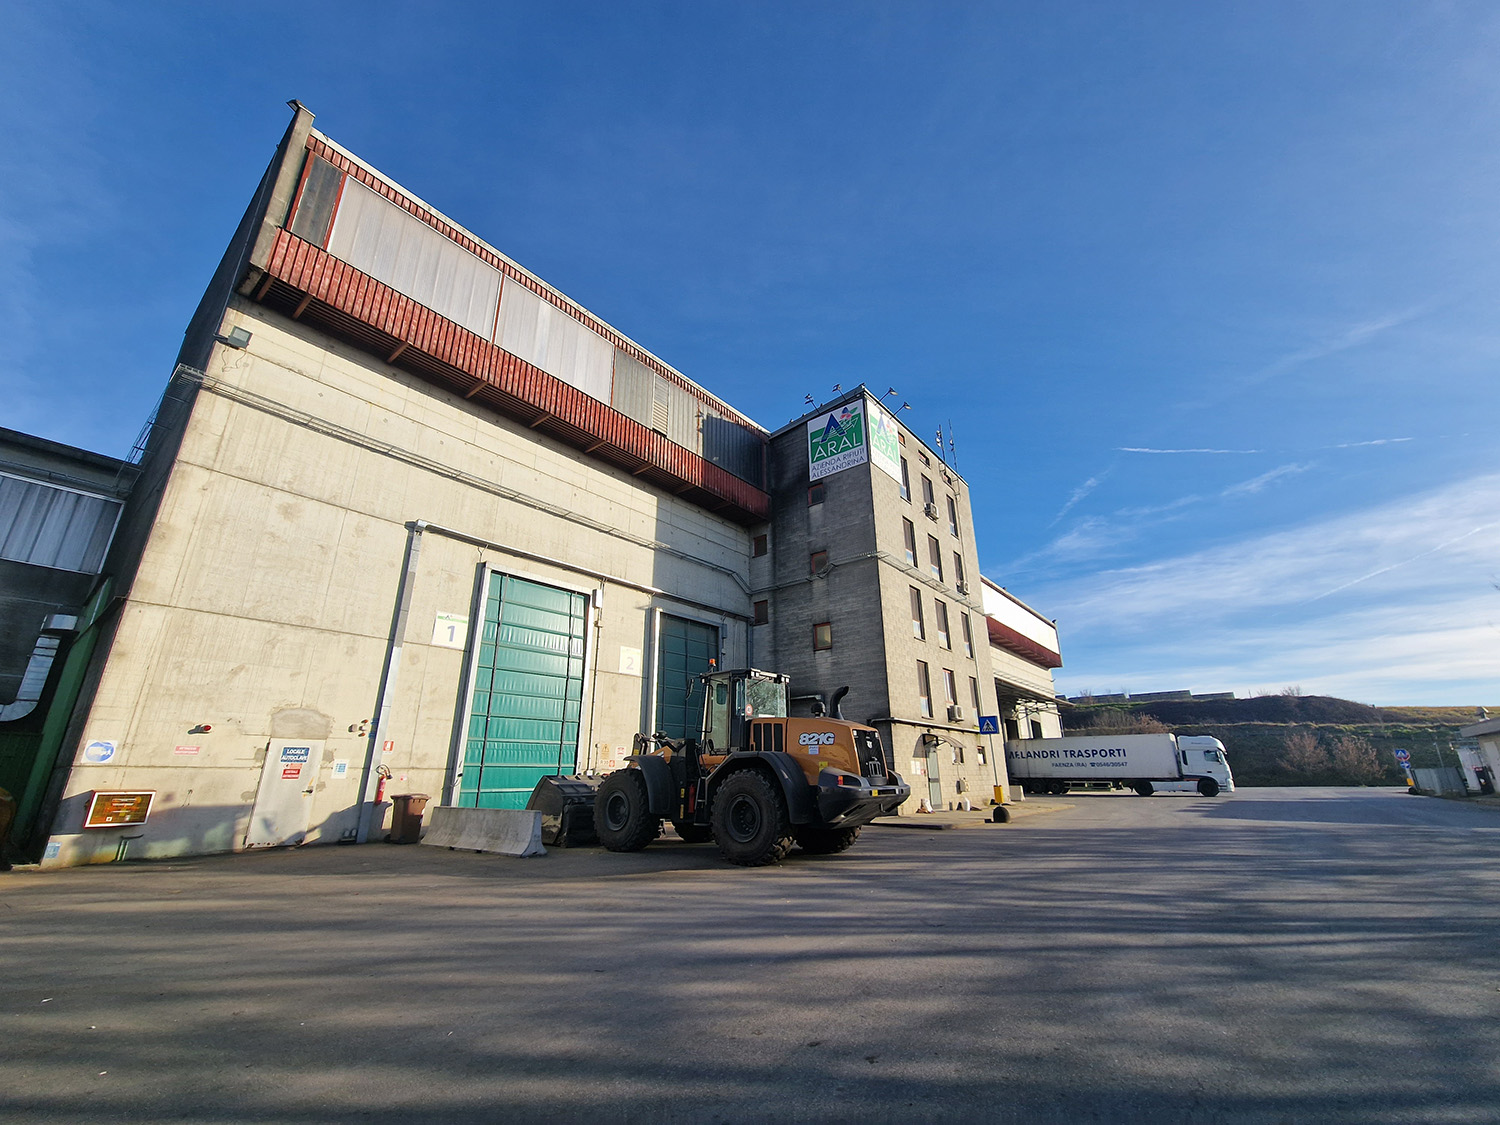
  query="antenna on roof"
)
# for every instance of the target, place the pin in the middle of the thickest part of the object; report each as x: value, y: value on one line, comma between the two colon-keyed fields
x: 952, y: 446
x: 809, y: 401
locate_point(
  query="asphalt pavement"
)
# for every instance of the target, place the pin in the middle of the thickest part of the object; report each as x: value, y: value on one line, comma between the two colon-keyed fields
x: 1278, y: 955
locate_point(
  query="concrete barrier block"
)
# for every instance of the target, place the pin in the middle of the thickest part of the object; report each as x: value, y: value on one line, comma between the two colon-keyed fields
x: 514, y: 832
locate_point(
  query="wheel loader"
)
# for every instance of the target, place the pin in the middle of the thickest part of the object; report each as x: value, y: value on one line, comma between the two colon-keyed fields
x: 757, y: 782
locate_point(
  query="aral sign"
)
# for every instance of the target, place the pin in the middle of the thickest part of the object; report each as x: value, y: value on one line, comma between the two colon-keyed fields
x: 837, y: 440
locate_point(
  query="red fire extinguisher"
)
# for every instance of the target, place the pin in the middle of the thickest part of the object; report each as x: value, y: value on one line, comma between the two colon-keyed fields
x: 384, y: 774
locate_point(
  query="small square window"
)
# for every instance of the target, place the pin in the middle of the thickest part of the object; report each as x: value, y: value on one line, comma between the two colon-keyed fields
x: 762, y: 612
x: 815, y: 494
x: 900, y: 437
x: 922, y: 457
x: 822, y: 637
x: 818, y: 562
x: 758, y: 546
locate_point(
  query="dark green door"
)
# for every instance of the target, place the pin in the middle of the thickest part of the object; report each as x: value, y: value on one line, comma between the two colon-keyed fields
x: 686, y: 650
x: 528, y: 692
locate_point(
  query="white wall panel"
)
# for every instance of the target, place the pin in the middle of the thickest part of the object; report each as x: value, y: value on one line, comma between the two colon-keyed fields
x: 542, y: 334
x: 393, y: 246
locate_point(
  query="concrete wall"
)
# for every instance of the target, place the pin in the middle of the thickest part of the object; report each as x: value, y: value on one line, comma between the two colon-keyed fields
x: 264, y: 600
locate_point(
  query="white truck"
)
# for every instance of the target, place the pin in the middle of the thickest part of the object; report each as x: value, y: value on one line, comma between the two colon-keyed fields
x: 1147, y: 763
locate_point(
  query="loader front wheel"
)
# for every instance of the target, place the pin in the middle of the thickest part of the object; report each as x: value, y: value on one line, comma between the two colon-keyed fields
x: 750, y: 820
x: 622, y: 813
x: 826, y: 841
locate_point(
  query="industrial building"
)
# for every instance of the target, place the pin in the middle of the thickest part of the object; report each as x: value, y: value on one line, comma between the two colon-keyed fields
x: 409, y: 519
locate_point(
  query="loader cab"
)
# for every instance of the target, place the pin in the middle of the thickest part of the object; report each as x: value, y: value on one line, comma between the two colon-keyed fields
x: 732, y: 699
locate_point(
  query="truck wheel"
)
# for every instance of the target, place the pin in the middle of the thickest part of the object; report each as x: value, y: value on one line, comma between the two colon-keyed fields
x: 1144, y: 788
x: 693, y: 833
x: 1058, y: 788
x: 1208, y: 787
x: 750, y: 820
x: 825, y: 841
x: 621, y: 812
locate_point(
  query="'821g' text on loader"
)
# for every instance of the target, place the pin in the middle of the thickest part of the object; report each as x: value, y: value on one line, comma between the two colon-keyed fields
x: 756, y: 783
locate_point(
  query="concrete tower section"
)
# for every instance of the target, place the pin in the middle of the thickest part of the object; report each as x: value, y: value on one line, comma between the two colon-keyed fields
x: 870, y: 580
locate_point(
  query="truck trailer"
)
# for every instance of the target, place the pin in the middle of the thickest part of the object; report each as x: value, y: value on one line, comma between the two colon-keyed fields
x: 1147, y: 763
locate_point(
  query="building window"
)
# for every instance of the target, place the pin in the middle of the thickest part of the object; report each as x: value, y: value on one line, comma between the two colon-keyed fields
x: 924, y: 688
x: 940, y: 618
x: 968, y: 635
x: 927, y: 495
x: 758, y: 546
x: 952, y: 517
x: 900, y: 437
x: 815, y: 494
x: 922, y: 457
x: 918, y: 629
x: 958, y: 569
x: 822, y: 637
x: 818, y: 562
x: 911, y: 542
x: 935, y: 558
x: 950, y: 688
x: 1012, y: 729
x: 762, y: 613
x: 974, y: 693
x: 905, y: 481
x: 1036, y: 729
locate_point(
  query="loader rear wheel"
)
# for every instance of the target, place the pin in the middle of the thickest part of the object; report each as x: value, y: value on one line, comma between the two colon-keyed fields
x: 826, y: 841
x: 621, y: 812
x: 750, y: 820
x: 1208, y: 787
x: 693, y: 833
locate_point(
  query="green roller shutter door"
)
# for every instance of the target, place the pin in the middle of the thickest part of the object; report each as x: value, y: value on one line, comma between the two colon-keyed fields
x: 687, y: 649
x: 528, y: 693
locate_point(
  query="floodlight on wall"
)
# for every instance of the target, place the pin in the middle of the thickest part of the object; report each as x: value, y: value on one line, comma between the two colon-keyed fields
x: 237, y: 338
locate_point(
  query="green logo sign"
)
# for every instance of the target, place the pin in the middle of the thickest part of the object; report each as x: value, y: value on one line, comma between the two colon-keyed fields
x: 836, y: 441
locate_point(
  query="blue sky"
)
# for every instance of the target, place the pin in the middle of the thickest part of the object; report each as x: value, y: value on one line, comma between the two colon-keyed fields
x: 1207, y: 291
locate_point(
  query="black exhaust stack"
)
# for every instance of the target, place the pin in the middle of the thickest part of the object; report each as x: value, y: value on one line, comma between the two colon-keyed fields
x: 838, y: 696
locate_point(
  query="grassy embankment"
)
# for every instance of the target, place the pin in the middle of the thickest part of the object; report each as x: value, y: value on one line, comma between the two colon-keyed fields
x: 1257, y: 731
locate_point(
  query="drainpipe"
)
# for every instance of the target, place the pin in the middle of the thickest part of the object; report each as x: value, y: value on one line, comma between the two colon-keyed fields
x: 370, y: 781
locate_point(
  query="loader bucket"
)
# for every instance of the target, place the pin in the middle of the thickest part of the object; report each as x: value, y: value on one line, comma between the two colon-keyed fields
x: 567, y: 808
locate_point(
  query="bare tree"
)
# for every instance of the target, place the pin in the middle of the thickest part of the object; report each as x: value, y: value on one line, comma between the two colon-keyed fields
x: 1355, y: 762
x: 1304, y: 756
x: 1115, y: 721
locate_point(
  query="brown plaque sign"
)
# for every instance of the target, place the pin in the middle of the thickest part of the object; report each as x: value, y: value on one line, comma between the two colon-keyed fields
x: 116, y: 809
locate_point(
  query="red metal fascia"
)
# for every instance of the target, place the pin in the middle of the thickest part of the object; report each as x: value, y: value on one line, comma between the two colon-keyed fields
x: 1021, y: 645
x: 342, y: 287
x: 485, y: 254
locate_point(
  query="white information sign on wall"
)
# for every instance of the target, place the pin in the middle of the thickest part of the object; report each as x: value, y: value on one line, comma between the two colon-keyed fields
x: 451, y: 630
x: 630, y: 661
x: 836, y: 440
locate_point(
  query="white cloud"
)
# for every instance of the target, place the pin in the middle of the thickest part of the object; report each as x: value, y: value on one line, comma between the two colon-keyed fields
x: 1393, y: 603
x: 1258, y: 484
x: 1140, y: 449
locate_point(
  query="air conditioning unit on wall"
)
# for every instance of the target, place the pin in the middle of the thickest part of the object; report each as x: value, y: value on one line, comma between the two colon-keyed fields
x: 930, y: 511
x: 955, y: 713
x: 962, y: 587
